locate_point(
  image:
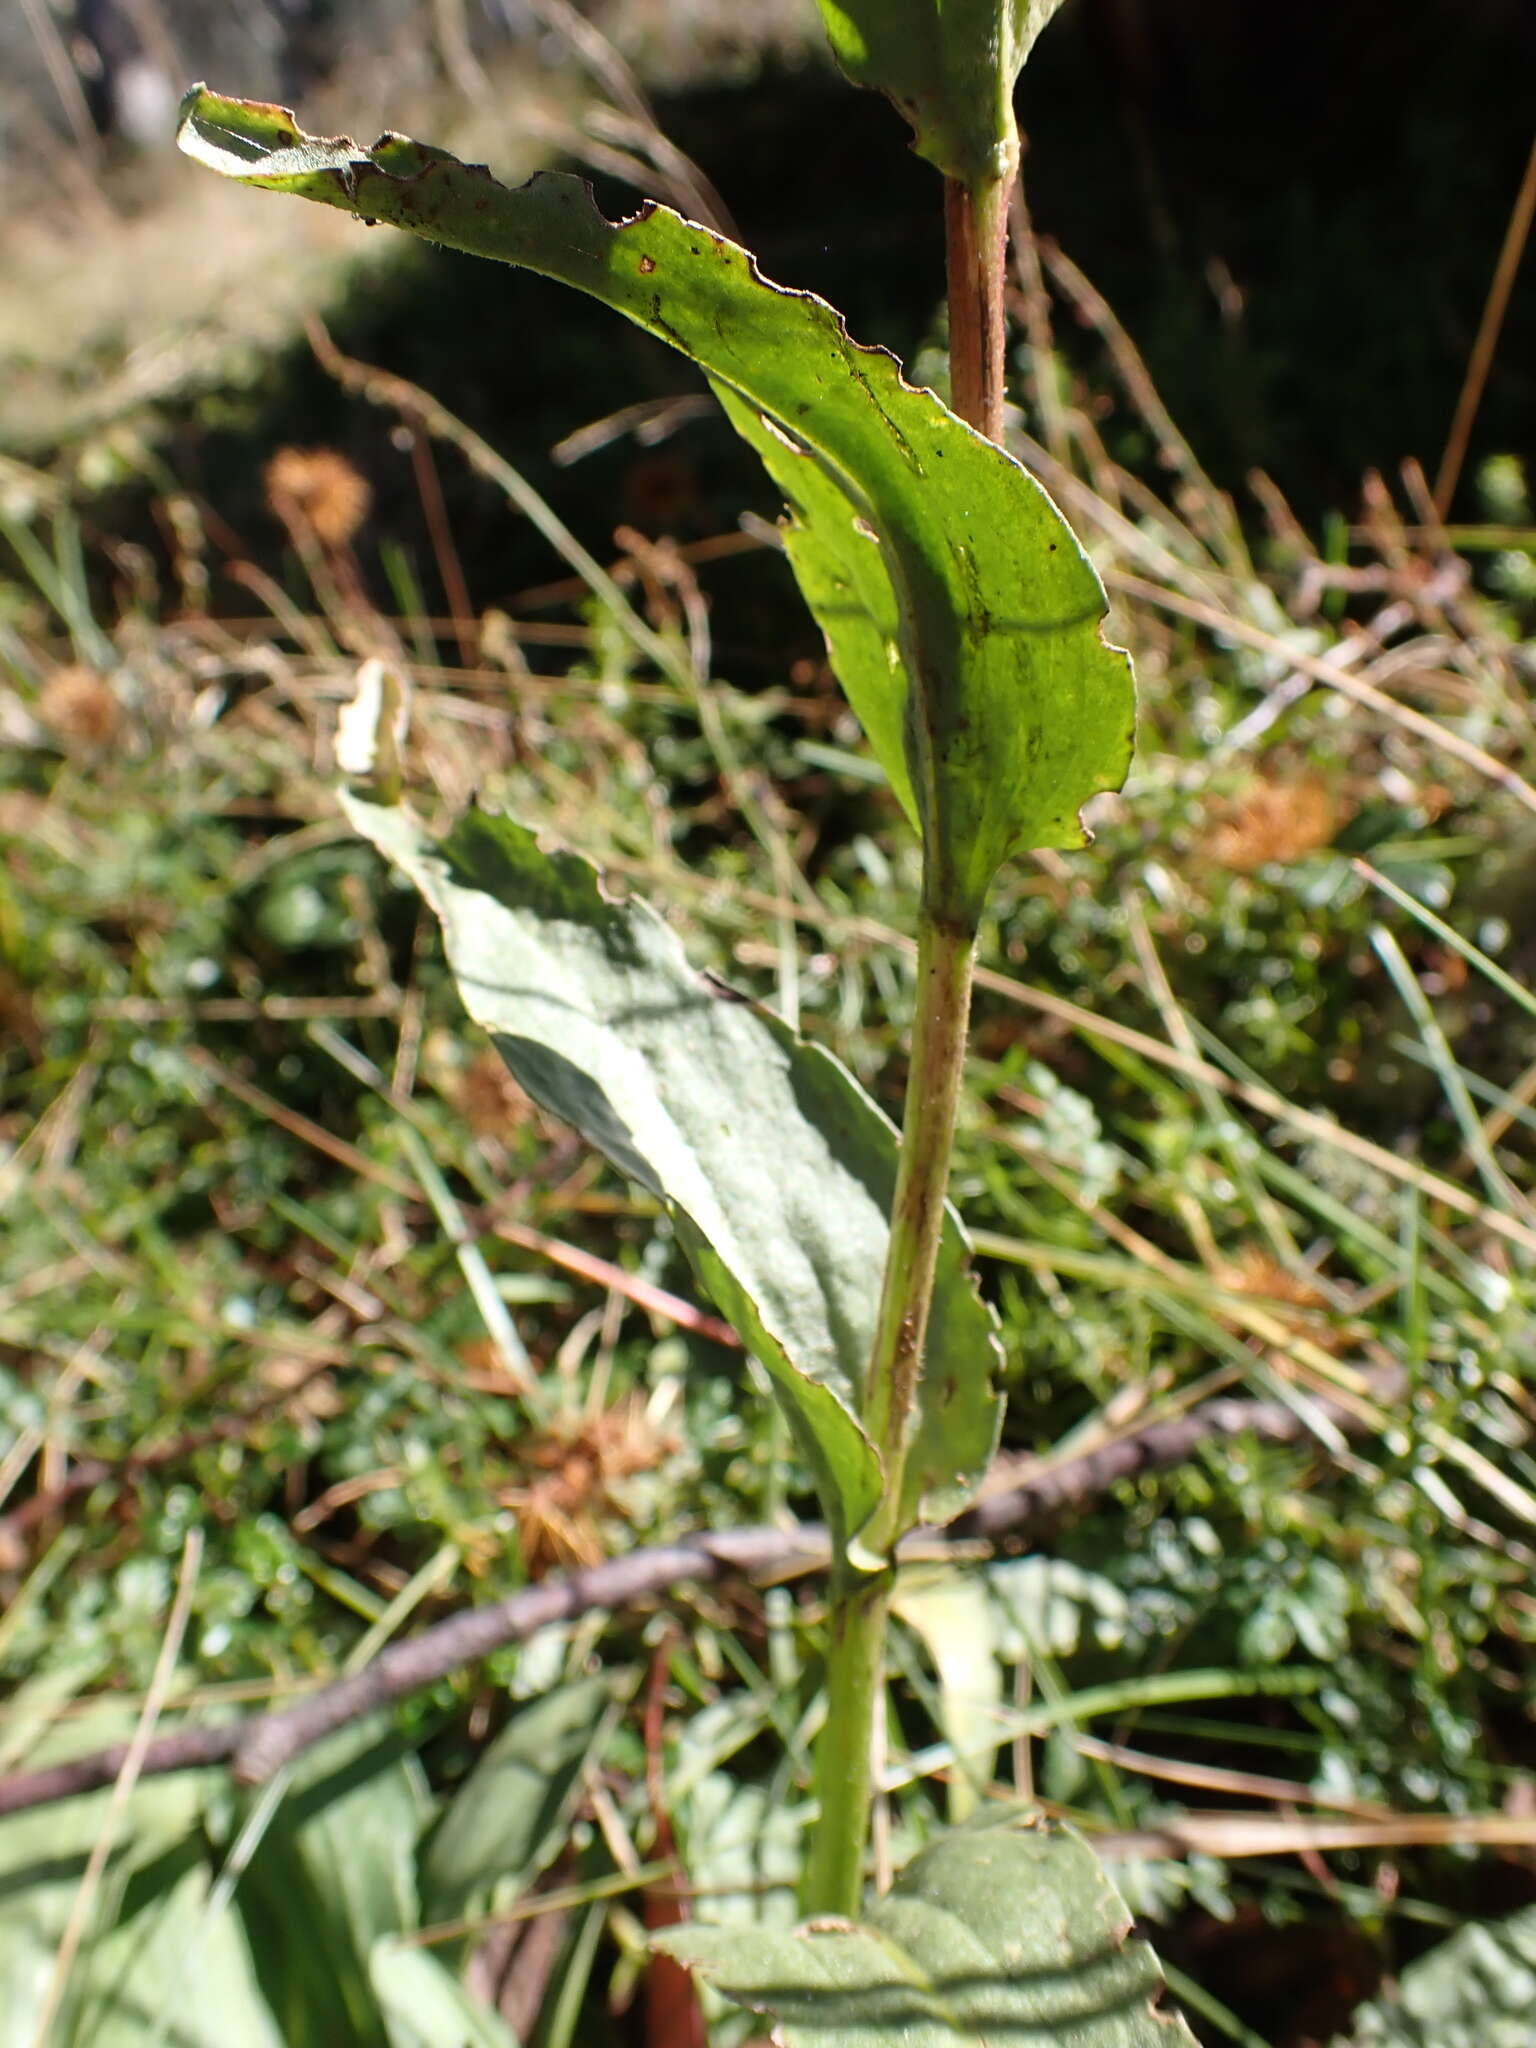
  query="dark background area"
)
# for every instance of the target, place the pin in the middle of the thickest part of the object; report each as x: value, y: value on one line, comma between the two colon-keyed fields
x: 1296, y: 213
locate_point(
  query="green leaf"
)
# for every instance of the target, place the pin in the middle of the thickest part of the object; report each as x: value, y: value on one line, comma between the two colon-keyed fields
x: 949, y: 65
x: 333, y: 1873
x: 1006, y: 1931
x: 968, y: 637
x: 508, y: 1818
x: 842, y: 576
x: 1477, y: 1990
x: 776, y: 1166
x: 165, y: 1964
x: 424, y: 2006
x: 43, y: 1855
x: 153, y: 1953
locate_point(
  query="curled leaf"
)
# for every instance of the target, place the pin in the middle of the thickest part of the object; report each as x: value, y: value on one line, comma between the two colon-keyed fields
x: 962, y: 615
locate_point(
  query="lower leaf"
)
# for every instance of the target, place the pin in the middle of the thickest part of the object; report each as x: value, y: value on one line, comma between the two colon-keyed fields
x: 776, y: 1166
x: 1477, y: 1990
x: 1007, y: 1931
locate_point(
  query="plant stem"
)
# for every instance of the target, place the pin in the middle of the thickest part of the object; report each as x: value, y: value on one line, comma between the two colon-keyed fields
x: 858, y: 1607
x: 860, y: 1600
x: 976, y: 243
x: 976, y: 240
x: 976, y: 230
x: 945, y: 959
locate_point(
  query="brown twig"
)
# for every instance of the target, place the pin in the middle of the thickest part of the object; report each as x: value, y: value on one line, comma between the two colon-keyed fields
x: 1489, y: 327
x: 1044, y: 1499
x: 258, y: 1746
x: 430, y: 491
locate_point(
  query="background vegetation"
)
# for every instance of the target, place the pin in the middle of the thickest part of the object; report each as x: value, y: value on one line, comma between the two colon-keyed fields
x: 1252, y: 1079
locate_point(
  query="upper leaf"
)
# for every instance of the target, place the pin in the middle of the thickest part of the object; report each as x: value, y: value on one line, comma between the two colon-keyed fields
x: 949, y: 65
x: 1006, y: 1933
x: 967, y: 637
x: 776, y: 1166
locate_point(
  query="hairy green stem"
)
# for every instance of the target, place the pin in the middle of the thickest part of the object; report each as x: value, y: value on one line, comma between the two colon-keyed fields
x: 860, y: 1601
x: 945, y: 960
x: 858, y: 1607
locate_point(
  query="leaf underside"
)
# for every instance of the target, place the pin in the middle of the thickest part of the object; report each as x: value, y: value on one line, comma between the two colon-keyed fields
x: 775, y: 1165
x: 961, y: 613
x: 948, y: 65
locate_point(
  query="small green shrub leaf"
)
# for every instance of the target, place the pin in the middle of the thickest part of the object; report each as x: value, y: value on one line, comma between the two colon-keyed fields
x: 949, y: 65
x: 1006, y: 1931
x: 1477, y: 1990
x: 776, y: 1166
x: 968, y: 635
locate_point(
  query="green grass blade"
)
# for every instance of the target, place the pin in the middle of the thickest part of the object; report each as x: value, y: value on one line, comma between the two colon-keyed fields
x: 1448, y: 935
x: 1437, y: 1046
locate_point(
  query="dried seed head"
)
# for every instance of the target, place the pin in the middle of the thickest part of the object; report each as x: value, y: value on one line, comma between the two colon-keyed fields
x: 1256, y: 1271
x: 80, y: 707
x: 491, y: 1101
x: 581, y: 1470
x: 321, y: 488
x: 1275, y: 821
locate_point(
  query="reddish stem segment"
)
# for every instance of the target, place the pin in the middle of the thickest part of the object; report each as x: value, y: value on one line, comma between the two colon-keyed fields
x: 976, y: 248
